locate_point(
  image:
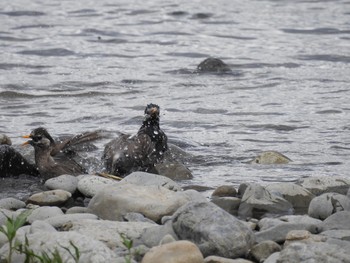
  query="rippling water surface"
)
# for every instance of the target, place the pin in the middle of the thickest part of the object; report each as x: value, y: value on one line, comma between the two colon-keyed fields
x: 74, y: 66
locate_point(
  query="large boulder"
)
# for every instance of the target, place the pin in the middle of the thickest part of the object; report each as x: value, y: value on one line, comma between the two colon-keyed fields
x: 213, y: 230
x: 326, y: 204
x: 153, y: 202
x: 298, y: 196
x: 321, y: 184
x: 257, y: 201
x: 175, y: 252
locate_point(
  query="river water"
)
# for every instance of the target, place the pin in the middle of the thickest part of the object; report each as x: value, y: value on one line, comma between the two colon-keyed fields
x: 74, y: 66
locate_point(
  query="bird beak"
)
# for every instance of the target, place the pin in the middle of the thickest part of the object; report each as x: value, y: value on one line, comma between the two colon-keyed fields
x: 26, y: 136
x: 25, y: 143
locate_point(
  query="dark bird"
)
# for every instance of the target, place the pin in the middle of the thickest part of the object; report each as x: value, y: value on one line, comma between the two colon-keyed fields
x: 12, y: 163
x: 54, y: 158
x: 140, y: 152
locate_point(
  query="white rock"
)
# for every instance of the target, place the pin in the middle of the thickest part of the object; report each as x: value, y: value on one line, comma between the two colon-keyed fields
x: 65, y: 182
x: 91, y: 184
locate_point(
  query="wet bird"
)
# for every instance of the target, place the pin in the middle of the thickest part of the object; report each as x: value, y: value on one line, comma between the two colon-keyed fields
x: 54, y: 158
x: 140, y: 152
x: 12, y: 163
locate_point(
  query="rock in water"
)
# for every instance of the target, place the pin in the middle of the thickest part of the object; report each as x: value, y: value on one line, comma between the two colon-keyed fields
x: 271, y: 157
x: 213, y: 65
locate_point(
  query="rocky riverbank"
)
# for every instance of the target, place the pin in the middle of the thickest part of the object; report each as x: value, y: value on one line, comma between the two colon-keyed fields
x: 149, y: 218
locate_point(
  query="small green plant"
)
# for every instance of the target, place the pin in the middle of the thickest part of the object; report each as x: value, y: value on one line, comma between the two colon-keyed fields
x: 128, y: 243
x: 10, y: 229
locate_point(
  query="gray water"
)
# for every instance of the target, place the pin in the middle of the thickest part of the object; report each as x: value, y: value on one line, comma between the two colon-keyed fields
x: 74, y: 66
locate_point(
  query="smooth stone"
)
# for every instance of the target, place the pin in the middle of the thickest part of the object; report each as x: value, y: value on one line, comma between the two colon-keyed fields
x: 279, y: 232
x: 167, y: 239
x: 50, y: 198
x: 266, y: 223
x: 39, y: 226
x: 326, y: 204
x: 225, y: 191
x: 339, y: 220
x: 90, y: 185
x: 91, y: 250
x: 337, y: 234
x: 298, y: 196
x: 260, y: 252
x: 320, y: 184
x: 65, y: 182
x: 257, y: 201
x: 175, y: 252
x: 61, y: 220
x: 313, y: 252
x: 147, y: 179
x: 11, y: 203
x: 216, y: 259
x: 302, y: 236
x: 108, y: 231
x: 229, y: 204
x: 153, y: 236
x: 152, y: 201
x: 174, y: 171
x: 137, y: 217
x: 43, y: 212
x: 77, y: 210
x: 270, y: 157
x: 213, y: 230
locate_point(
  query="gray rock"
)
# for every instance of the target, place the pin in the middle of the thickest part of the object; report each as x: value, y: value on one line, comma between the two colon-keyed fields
x: 89, y: 185
x: 61, y: 220
x: 319, y: 185
x: 77, y: 210
x: 326, y: 204
x: 258, y: 201
x: 270, y: 157
x: 272, y: 258
x: 50, y: 198
x: 174, y: 171
x: 313, y: 252
x: 153, y: 236
x: 212, y: 229
x: 339, y: 220
x: 65, y: 182
x: 338, y: 234
x: 225, y: 191
x: 279, y: 232
x: 267, y: 222
x: 91, y: 251
x: 11, y: 203
x: 216, y: 259
x: 229, y: 204
x: 137, y: 217
x: 260, y: 252
x: 109, y: 232
x: 298, y: 196
x: 152, y: 201
x: 142, y: 178
x: 44, y: 212
x: 39, y: 226
x: 167, y: 239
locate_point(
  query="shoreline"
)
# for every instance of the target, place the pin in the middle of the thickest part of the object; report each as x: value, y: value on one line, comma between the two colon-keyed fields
x: 252, y: 223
